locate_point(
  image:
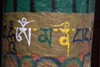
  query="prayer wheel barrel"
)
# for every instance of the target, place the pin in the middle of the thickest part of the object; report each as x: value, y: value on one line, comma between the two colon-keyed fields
x: 47, y: 33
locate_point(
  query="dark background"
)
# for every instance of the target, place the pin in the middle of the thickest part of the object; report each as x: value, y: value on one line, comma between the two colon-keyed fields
x: 1, y: 15
x: 96, y: 36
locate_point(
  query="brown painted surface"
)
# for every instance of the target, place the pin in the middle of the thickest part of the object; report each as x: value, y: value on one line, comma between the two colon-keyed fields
x: 48, y: 21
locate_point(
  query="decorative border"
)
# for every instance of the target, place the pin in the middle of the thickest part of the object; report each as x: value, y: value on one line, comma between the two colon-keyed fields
x: 66, y: 6
x: 34, y: 61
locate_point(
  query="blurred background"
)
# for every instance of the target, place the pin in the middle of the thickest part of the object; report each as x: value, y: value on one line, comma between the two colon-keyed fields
x: 96, y: 36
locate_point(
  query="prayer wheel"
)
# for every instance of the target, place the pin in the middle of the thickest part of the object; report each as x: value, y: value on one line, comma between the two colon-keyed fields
x: 47, y: 33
